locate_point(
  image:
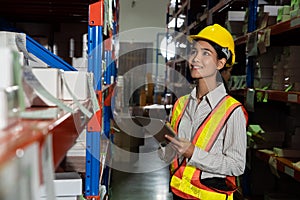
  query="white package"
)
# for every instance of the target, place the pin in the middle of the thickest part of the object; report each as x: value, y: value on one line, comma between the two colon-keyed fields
x: 6, y: 75
x: 8, y: 39
x: 67, y: 185
x: 50, y: 80
x: 272, y: 10
x: 236, y: 15
x: 77, y: 83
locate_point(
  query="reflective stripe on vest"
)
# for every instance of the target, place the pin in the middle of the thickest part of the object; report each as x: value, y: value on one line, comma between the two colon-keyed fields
x: 185, y: 181
x: 177, y: 113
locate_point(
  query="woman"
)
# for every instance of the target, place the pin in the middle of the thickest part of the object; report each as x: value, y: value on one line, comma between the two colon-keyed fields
x: 210, y: 145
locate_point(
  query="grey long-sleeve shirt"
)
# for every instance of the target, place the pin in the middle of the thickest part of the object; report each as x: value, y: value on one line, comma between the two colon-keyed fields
x: 228, y: 155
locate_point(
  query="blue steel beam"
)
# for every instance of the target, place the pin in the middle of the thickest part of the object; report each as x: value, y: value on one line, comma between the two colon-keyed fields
x: 46, y: 56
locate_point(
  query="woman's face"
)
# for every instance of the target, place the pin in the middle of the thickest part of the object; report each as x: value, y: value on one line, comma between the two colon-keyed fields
x: 203, y: 61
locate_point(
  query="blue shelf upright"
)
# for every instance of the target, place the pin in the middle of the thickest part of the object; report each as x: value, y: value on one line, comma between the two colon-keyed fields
x: 94, y: 127
x: 253, y: 4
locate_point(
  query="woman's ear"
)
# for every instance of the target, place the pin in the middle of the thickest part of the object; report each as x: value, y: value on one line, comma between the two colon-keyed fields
x: 221, y: 63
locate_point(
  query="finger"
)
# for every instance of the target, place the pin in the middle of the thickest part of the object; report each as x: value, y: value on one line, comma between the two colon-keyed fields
x: 172, y: 139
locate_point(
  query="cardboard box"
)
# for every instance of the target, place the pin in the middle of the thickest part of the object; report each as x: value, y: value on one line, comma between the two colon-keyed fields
x: 271, y: 9
x: 295, y: 13
x: 295, y: 4
x: 125, y: 155
x: 235, y: 28
x: 50, y: 79
x: 8, y: 40
x: 80, y: 63
x: 286, y: 9
x: 7, y: 72
x: 77, y: 83
x: 67, y: 186
x: 129, y: 135
x: 236, y: 16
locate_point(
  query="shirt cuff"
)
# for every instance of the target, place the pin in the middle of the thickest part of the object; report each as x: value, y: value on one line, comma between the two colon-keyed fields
x: 197, y: 156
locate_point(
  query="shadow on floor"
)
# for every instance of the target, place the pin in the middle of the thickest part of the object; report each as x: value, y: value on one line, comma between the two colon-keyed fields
x: 141, y: 182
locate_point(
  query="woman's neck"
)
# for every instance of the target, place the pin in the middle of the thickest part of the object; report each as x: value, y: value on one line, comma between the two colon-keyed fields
x: 204, y: 86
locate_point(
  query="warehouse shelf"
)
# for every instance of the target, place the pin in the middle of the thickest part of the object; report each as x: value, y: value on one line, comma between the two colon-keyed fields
x: 241, y: 40
x: 284, y: 165
x: 217, y: 7
x: 100, y: 50
x: 274, y: 95
x: 28, y: 131
x: 289, y: 97
x: 276, y: 29
x: 284, y: 27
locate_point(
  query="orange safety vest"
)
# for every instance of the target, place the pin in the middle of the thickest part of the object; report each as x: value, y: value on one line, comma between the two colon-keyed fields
x: 185, y: 181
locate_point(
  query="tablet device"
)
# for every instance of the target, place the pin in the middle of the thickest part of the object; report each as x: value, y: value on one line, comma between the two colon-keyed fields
x: 156, y: 127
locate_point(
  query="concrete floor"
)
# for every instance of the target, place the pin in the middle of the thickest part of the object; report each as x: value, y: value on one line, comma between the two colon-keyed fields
x: 135, y: 186
x: 147, y: 180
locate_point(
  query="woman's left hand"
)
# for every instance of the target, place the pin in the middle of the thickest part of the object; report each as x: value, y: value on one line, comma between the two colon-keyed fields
x: 182, y: 146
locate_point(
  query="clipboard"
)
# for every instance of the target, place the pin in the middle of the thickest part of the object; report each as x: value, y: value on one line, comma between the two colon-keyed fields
x: 158, y: 128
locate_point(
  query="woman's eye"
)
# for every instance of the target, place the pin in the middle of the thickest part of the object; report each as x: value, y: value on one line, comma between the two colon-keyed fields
x: 206, y: 53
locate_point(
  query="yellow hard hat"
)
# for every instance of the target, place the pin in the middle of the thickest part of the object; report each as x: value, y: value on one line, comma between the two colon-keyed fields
x: 218, y: 35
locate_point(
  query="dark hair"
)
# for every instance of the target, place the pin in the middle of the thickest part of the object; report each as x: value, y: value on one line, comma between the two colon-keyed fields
x: 219, y: 51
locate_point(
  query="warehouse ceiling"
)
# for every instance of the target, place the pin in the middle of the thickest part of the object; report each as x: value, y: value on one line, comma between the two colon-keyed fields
x: 46, y: 11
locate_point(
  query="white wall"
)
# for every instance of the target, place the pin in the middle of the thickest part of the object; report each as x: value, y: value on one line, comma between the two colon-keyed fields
x: 145, y: 13
x: 142, y: 22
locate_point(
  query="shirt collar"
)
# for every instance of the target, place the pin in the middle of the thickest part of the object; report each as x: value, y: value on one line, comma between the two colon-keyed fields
x: 214, y: 96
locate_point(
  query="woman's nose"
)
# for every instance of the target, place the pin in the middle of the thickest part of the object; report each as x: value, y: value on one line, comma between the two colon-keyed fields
x: 196, y: 58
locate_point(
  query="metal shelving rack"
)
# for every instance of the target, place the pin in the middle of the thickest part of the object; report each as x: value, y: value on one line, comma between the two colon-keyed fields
x: 96, y: 144
x: 99, y: 129
x: 94, y: 130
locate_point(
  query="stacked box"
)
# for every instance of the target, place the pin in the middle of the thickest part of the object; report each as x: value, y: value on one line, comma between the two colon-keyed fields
x: 264, y: 70
x: 280, y: 81
x: 67, y: 186
x: 77, y: 83
x: 235, y: 22
x: 50, y: 79
x: 81, y: 63
x: 291, y: 67
x: 284, y: 13
x: 295, y: 11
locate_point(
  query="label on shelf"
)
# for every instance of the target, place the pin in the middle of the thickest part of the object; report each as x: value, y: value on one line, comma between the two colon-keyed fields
x: 289, y: 171
x: 295, y: 22
x: 293, y: 97
x: 250, y: 100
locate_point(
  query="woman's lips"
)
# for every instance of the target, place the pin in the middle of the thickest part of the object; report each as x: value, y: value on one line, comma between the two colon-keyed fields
x: 197, y: 67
